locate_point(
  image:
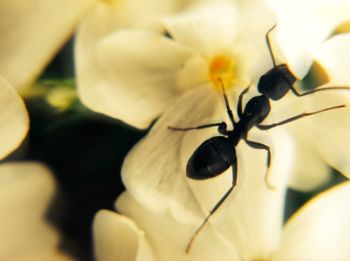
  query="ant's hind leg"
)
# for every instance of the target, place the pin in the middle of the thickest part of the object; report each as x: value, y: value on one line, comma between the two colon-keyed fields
x: 217, y: 205
x: 222, y: 126
x: 260, y: 146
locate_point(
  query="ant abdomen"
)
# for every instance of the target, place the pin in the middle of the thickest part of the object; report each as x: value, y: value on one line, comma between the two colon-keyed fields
x: 211, y: 158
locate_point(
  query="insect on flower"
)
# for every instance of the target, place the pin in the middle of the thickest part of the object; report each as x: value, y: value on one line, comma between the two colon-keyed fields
x: 218, y: 153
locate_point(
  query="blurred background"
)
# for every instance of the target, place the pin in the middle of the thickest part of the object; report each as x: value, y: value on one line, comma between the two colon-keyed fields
x: 85, y: 150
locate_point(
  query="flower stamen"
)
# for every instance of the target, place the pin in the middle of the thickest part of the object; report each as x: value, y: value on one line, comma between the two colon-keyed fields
x: 222, y: 70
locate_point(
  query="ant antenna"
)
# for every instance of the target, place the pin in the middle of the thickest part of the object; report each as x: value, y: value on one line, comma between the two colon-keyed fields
x: 268, y: 41
x: 229, y: 111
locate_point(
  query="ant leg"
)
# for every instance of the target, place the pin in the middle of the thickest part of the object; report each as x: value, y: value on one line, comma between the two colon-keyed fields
x: 268, y: 42
x: 222, y: 126
x: 296, y: 93
x: 294, y: 118
x: 228, y: 109
x: 260, y: 146
x: 240, y: 101
x: 218, y: 204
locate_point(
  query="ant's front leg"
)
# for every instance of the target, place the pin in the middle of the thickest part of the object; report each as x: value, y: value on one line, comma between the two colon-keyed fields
x: 222, y: 127
x: 227, y: 104
x: 298, y: 94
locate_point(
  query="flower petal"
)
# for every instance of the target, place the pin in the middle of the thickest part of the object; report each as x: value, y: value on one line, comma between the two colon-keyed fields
x: 117, y: 237
x: 136, y: 78
x: 26, y: 189
x: 334, y: 55
x: 254, y: 45
x: 320, y: 230
x: 303, y: 25
x: 330, y: 130
x: 209, y: 28
x: 14, y: 119
x: 169, y: 237
x: 309, y: 170
x: 252, y: 217
x: 30, y: 34
x: 104, y: 66
x: 154, y: 171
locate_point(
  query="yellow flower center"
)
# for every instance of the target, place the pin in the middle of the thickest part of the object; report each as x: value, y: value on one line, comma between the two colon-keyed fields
x: 222, y: 70
x: 111, y: 2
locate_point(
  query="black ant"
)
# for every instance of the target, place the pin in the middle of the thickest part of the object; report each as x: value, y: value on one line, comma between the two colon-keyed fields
x: 218, y: 153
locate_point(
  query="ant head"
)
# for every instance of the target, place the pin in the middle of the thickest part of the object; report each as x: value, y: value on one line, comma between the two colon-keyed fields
x: 276, y: 82
x: 211, y: 158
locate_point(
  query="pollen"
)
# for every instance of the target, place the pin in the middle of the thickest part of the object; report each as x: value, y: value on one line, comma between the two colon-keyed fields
x: 223, y: 69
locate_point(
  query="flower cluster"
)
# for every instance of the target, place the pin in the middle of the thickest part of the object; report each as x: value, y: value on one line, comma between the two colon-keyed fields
x: 176, y: 65
x: 178, y: 77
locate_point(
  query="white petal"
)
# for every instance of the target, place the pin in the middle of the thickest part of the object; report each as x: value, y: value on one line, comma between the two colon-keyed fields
x: 136, y: 77
x: 26, y: 189
x: 330, y: 130
x: 169, y: 237
x: 148, y: 13
x: 154, y: 171
x: 252, y: 216
x: 309, y: 170
x: 100, y: 74
x: 303, y: 25
x: 31, y: 32
x: 255, y: 44
x: 14, y: 120
x: 334, y: 55
x: 320, y: 230
x: 209, y: 28
x: 117, y: 237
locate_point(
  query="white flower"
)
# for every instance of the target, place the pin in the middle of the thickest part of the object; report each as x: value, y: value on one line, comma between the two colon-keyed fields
x: 154, y: 170
x: 181, y: 73
x: 135, y: 74
x: 14, y: 119
x: 168, y: 217
x: 318, y: 231
x: 320, y: 139
x: 140, y: 73
x: 299, y: 39
x: 165, y: 204
x: 98, y: 87
x: 31, y: 33
x: 26, y: 190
